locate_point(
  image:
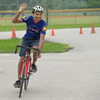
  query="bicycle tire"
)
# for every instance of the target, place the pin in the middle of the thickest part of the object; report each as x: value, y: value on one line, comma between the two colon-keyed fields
x: 22, y: 81
x: 26, y: 84
x: 27, y: 80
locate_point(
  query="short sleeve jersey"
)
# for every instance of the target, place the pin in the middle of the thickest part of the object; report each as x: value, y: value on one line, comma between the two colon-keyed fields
x: 34, y: 29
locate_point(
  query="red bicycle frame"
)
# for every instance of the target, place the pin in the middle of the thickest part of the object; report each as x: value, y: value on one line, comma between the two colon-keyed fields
x: 27, y: 64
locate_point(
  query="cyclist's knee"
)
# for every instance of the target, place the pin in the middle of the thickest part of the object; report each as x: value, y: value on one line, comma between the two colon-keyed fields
x: 21, y: 58
x: 36, y: 47
x: 35, y: 51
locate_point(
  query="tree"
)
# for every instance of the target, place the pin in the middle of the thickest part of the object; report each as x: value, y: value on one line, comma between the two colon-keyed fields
x: 93, y: 4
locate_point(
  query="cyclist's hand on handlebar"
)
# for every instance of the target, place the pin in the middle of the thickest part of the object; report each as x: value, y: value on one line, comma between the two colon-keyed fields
x: 22, y: 7
x: 38, y: 56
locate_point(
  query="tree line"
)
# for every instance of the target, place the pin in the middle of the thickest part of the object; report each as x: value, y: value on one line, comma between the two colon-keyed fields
x: 52, y: 4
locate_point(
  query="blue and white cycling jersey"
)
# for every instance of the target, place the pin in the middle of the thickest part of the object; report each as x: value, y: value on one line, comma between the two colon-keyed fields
x: 34, y: 29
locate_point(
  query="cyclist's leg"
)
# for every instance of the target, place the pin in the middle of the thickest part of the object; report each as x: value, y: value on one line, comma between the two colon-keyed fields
x: 19, y: 65
x: 35, y: 52
x: 35, y: 44
x: 17, y: 83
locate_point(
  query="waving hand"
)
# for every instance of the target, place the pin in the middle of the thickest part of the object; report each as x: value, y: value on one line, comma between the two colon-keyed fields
x: 22, y: 7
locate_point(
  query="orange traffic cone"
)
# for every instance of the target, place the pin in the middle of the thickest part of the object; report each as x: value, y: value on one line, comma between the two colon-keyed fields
x: 52, y: 34
x: 92, y: 30
x: 81, y: 32
x: 13, y: 32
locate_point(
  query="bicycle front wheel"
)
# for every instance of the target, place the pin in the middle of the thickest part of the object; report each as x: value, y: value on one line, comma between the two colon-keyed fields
x: 22, y: 80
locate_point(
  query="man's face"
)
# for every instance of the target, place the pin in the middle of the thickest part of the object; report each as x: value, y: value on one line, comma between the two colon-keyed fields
x: 37, y: 16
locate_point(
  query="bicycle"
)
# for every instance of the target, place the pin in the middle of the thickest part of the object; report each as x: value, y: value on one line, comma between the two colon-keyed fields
x: 26, y: 68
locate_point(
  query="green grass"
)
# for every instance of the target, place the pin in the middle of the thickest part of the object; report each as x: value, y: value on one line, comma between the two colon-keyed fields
x: 55, y: 47
x: 56, y: 23
x: 77, y: 20
x: 23, y: 27
x: 8, y: 46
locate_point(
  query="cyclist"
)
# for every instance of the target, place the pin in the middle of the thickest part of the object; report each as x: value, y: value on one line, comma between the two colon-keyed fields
x: 34, y: 36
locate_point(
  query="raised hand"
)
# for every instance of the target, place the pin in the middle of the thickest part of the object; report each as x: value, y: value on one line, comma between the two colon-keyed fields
x: 22, y: 7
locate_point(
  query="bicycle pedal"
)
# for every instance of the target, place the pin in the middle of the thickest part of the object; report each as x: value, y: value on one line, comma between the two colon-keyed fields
x: 17, y: 86
x: 31, y: 73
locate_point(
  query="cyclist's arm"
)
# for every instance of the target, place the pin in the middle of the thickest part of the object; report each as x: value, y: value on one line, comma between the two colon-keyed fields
x: 41, y: 41
x: 21, y: 9
x: 43, y: 32
x: 16, y: 19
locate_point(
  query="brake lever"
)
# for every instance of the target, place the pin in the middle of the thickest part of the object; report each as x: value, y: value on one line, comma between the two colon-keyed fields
x: 16, y: 48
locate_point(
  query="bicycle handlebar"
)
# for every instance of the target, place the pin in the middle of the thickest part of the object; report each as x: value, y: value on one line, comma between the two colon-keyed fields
x: 29, y: 48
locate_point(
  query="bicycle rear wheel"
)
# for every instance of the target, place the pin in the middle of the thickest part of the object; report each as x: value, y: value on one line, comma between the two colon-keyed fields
x: 26, y: 84
x: 22, y: 81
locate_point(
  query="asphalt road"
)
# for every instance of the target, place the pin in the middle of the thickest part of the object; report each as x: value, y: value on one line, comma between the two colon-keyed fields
x: 72, y: 75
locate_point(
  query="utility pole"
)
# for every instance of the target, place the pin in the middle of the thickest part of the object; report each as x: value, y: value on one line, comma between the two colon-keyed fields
x: 86, y: 4
x: 66, y: 4
x: 18, y: 4
x: 47, y: 12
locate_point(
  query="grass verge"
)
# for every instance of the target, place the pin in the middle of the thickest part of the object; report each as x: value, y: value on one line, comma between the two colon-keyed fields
x: 8, y: 46
x: 23, y: 27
